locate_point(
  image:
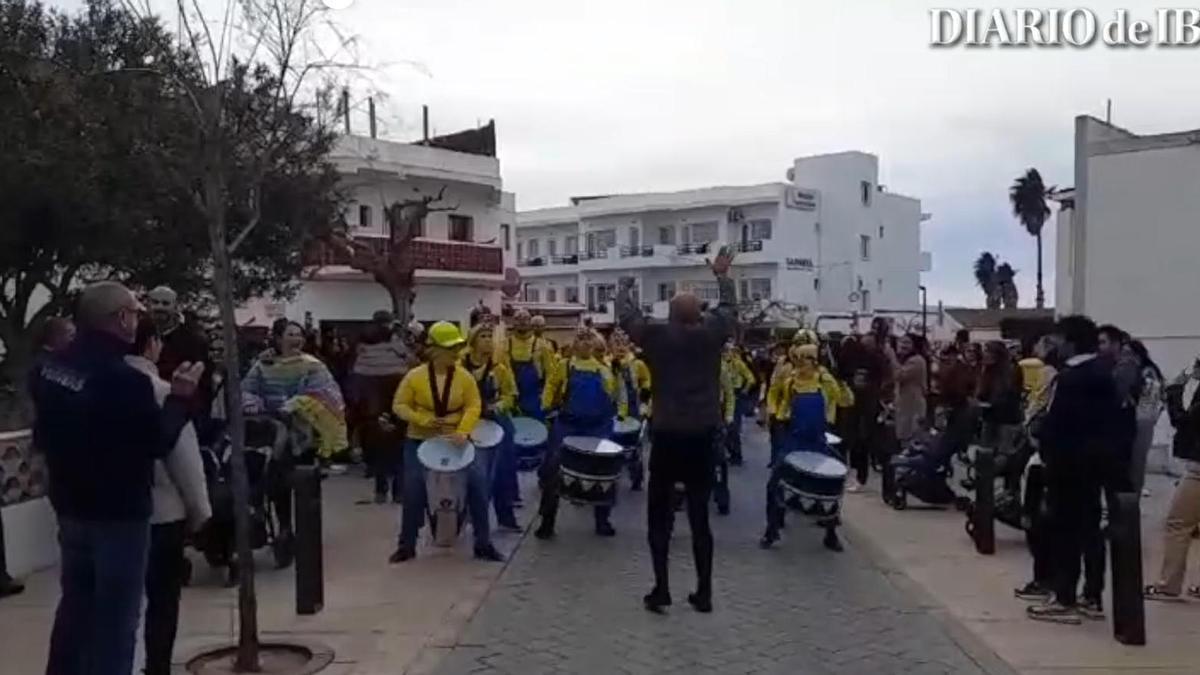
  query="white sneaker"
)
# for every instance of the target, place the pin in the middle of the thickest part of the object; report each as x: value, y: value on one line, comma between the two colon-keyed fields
x: 854, y: 486
x: 1145, y: 493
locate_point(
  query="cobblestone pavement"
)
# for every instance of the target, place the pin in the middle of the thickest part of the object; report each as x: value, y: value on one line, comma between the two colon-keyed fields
x: 574, y: 605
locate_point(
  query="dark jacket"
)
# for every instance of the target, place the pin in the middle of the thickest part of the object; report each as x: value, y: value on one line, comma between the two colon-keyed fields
x: 1077, y: 430
x: 101, y: 429
x: 1185, y: 417
x: 684, y: 362
x: 186, y: 343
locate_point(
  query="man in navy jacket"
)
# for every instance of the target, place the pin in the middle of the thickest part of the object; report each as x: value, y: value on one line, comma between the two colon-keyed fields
x: 1080, y: 453
x: 101, y: 429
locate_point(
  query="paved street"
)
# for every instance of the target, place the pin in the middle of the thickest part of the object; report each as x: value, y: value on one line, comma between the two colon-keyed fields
x: 574, y: 605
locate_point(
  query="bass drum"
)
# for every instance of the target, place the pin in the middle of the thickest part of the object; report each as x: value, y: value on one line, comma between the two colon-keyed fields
x: 530, y: 437
x: 813, y: 483
x: 590, y: 467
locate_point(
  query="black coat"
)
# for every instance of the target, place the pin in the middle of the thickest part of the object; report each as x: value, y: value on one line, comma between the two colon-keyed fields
x: 1185, y: 417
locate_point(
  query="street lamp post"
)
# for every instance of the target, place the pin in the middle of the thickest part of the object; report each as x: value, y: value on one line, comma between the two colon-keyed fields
x: 924, y: 313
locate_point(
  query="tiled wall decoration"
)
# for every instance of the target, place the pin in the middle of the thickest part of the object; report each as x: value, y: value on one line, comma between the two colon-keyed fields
x: 22, y: 471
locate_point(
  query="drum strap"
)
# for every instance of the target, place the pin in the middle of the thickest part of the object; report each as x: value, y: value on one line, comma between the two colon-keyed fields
x: 441, y: 404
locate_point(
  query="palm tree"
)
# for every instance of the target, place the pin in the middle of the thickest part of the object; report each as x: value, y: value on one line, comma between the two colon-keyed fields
x: 985, y: 276
x: 1028, y: 197
x: 1006, y: 285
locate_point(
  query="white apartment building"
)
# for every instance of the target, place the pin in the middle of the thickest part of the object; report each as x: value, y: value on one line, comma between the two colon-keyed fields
x: 460, y: 256
x: 830, y: 240
x: 1128, y: 239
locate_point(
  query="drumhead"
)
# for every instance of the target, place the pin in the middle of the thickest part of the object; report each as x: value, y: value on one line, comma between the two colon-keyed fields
x: 816, y: 464
x: 629, y: 425
x: 487, y: 434
x: 528, y: 432
x: 439, y: 454
x: 592, y: 446
x: 832, y: 439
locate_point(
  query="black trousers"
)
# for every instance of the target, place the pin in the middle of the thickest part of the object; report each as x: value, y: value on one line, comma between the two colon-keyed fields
x: 1038, y: 533
x: 550, y: 482
x: 1073, y: 495
x: 164, y: 584
x: 688, y: 458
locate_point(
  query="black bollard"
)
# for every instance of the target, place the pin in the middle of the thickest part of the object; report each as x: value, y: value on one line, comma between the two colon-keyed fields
x: 310, y: 572
x: 8, y: 585
x: 985, y: 501
x: 888, y: 478
x: 1125, y: 532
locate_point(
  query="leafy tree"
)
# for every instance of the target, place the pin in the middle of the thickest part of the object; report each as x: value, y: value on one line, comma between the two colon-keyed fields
x: 1006, y: 285
x: 1028, y: 196
x: 985, y: 276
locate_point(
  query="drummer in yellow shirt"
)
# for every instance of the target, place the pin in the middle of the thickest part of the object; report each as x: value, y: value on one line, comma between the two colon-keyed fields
x: 633, y: 395
x: 583, y: 391
x: 439, y: 399
x: 498, y: 393
x: 532, y: 360
x: 742, y: 381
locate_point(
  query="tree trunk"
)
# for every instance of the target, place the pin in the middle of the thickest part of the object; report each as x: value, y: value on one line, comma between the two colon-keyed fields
x: 401, y: 304
x: 247, y: 654
x: 1041, y: 294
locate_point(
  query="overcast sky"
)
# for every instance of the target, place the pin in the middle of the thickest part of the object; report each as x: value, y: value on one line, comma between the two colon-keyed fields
x: 607, y: 96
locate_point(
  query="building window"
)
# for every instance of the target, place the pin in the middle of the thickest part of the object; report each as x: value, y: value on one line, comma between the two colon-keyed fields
x: 635, y: 237
x: 520, y: 250
x: 700, y: 233
x: 866, y: 192
x: 572, y: 294
x: 864, y: 247
x: 881, y: 232
x: 506, y: 236
x: 759, y: 229
x: 666, y: 291
x: 601, y: 240
x: 551, y: 247
x: 462, y: 228
x: 364, y: 215
x: 531, y: 247
x: 551, y: 294
x: 865, y: 299
x: 816, y: 283
x: 599, y: 295
x: 571, y: 245
x: 666, y: 235
x: 705, y: 290
x: 760, y: 289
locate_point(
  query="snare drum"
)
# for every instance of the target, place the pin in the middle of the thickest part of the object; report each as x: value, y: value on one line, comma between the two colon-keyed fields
x: 590, y: 467
x: 627, y: 432
x: 487, y: 435
x: 529, y: 437
x: 813, y: 483
x: 445, y: 486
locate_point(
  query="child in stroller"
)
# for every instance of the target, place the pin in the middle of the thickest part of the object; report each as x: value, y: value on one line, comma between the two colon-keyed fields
x: 922, y: 469
x: 273, y: 444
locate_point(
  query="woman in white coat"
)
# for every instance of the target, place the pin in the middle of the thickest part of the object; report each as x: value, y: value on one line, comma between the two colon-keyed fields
x: 181, y: 505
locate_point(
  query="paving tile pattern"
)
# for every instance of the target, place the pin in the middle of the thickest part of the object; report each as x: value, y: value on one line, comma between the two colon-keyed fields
x: 574, y: 605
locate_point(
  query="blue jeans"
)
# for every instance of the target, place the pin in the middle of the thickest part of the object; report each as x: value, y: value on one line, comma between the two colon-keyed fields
x: 103, y: 576
x: 416, y: 500
x: 503, y: 474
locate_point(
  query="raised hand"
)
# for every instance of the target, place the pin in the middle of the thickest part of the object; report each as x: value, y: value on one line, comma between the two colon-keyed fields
x: 724, y: 260
x: 186, y: 379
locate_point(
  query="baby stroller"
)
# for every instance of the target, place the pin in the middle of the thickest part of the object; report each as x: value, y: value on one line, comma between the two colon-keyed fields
x: 923, y: 469
x: 271, y: 442
x: 1011, y: 459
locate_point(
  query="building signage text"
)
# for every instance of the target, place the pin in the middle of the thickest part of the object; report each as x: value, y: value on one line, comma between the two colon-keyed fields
x: 803, y: 200
x: 799, y: 263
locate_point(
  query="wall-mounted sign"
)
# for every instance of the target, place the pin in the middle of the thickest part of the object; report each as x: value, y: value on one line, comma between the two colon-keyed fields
x: 799, y: 263
x: 804, y: 200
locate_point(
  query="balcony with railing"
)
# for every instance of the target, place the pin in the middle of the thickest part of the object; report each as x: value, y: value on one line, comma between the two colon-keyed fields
x: 432, y: 255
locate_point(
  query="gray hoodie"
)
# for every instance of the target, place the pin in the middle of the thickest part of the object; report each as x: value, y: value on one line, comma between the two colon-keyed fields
x: 179, y: 491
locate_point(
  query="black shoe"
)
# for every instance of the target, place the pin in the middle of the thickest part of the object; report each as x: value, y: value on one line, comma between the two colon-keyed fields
x: 1033, y: 592
x: 635, y: 487
x: 700, y: 602
x: 605, y: 529
x: 545, y: 532
x: 735, y: 461
x: 769, y: 539
x: 657, y: 601
x: 380, y: 497
x: 488, y: 553
x: 9, y: 587
x: 832, y: 541
x: 402, y: 554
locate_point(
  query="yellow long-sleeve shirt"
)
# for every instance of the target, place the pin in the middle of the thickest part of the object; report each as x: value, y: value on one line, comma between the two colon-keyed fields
x: 639, y: 373
x: 413, y: 402
x: 743, y: 377
x: 729, y: 378
x: 503, y: 383
x: 535, y: 349
x: 556, y: 383
x: 789, y: 383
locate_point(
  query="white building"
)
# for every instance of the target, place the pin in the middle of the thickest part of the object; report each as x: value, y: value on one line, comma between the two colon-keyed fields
x: 831, y: 239
x: 1128, y: 237
x: 460, y: 257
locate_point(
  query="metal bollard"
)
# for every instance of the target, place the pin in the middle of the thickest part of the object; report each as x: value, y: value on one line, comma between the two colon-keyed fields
x: 1128, y: 604
x: 985, y: 501
x: 8, y: 585
x: 888, y: 479
x: 310, y: 566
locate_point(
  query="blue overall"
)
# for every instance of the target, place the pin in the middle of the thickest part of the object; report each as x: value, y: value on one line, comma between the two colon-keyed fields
x: 627, y: 381
x: 500, y: 463
x: 587, y: 410
x: 529, y: 384
x: 805, y: 432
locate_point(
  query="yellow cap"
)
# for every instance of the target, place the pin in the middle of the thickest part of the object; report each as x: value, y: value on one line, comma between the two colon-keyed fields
x: 445, y: 334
